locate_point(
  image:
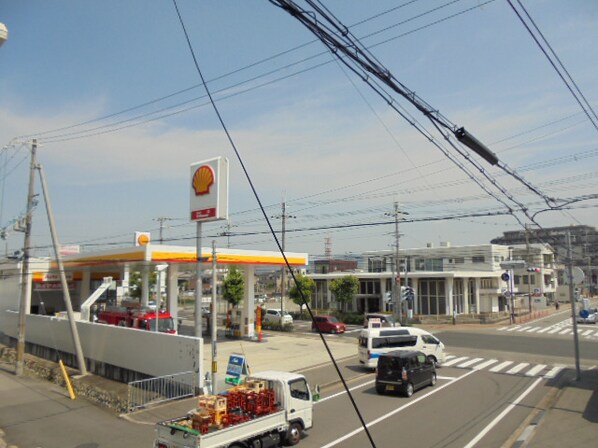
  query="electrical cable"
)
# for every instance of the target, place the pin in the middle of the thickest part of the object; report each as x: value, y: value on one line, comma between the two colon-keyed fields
x: 240, y: 160
x: 587, y: 105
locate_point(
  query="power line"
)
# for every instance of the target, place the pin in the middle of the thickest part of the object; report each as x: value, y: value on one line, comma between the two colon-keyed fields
x: 585, y: 105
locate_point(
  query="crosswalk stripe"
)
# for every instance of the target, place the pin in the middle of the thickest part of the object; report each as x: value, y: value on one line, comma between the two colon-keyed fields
x: 566, y: 331
x: 447, y: 357
x: 532, y: 330
x: 596, y: 334
x: 535, y: 370
x: 523, y: 328
x: 514, y: 328
x: 585, y: 333
x: 485, y: 364
x: 517, y: 368
x: 501, y: 366
x: 554, y: 371
x: 470, y: 362
x: 554, y: 330
x: 544, y: 329
x: 454, y: 361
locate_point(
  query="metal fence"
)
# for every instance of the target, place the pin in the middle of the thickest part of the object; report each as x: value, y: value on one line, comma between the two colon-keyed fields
x: 159, y: 389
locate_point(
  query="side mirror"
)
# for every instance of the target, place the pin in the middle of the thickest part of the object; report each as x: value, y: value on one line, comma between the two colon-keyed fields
x: 316, y: 393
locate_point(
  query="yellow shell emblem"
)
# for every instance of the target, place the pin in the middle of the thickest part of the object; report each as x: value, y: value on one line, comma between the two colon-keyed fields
x: 203, y: 179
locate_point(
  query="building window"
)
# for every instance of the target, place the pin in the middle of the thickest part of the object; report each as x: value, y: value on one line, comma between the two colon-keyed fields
x: 434, y: 264
x: 488, y: 283
x: 431, y: 298
x: 478, y: 259
x: 459, y: 260
x: 369, y: 287
x: 517, y: 279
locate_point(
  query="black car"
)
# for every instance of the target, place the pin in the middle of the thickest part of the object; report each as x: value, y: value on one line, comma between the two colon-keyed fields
x: 404, y: 371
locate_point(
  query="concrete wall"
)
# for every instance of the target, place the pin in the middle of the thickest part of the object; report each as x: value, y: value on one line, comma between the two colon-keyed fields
x: 108, y: 347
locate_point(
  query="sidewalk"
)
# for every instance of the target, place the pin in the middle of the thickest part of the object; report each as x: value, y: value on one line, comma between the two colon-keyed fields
x: 568, y: 416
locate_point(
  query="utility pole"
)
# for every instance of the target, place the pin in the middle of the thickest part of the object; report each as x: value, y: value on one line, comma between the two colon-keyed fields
x: 226, y: 232
x: 573, y: 311
x: 283, y: 271
x: 65, y: 287
x: 529, y: 283
x: 214, y: 318
x: 25, y: 274
x: 161, y: 220
x: 396, y: 283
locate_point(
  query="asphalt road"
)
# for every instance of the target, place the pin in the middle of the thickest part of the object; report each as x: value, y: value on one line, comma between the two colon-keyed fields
x: 453, y: 413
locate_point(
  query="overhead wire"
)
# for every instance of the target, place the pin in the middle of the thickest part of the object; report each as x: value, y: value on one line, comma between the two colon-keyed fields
x: 575, y: 90
x: 250, y: 182
x: 122, y: 124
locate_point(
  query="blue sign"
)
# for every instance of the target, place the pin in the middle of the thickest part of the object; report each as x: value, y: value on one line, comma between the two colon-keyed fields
x: 584, y: 314
x: 236, y: 366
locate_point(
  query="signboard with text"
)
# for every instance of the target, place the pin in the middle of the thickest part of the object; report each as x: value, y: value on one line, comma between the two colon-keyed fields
x: 209, y: 190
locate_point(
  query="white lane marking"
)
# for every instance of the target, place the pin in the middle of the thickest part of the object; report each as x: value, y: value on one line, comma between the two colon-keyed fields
x: 535, y: 370
x: 502, y: 328
x: 544, y: 329
x: 554, y: 371
x: 501, y: 366
x: 585, y: 333
x: 566, y: 331
x: 500, y: 416
x: 554, y: 330
x: 532, y: 330
x: 514, y: 328
x: 342, y: 392
x: 395, y: 411
x: 470, y: 362
x: 524, y: 328
x: 485, y: 364
x: 517, y: 368
x: 454, y: 361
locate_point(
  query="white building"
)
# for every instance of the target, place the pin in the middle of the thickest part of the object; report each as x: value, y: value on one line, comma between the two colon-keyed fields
x: 447, y: 279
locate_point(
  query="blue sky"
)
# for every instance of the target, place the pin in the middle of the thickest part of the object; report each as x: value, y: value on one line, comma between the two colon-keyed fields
x: 307, y: 130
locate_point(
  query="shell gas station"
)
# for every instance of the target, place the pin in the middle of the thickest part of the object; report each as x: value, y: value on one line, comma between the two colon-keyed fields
x: 92, y: 273
x: 85, y: 273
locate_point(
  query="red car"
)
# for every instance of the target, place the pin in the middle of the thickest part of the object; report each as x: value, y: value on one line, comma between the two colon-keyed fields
x: 328, y: 324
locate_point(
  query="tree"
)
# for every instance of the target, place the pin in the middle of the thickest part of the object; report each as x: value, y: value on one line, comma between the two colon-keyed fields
x: 135, y: 283
x: 233, y: 287
x: 304, y: 285
x: 344, y: 288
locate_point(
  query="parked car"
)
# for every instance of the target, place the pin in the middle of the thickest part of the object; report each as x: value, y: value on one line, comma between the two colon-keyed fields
x: 328, y: 324
x: 274, y: 316
x: 404, y: 371
x: 587, y: 317
x: 386, y: 320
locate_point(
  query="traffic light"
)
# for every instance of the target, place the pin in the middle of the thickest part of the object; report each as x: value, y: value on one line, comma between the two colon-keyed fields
x: 408, y: 293
x: 533, y: 269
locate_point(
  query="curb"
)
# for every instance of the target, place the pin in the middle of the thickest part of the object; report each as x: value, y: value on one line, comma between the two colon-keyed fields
x: 522, y: 435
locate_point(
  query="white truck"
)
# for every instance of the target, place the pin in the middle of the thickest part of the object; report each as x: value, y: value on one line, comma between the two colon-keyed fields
x: 268, y: 408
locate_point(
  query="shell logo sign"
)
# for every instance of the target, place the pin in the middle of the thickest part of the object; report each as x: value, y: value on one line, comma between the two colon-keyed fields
x: 142, y: 238
x: 203, y: 179
x: 209, y: 190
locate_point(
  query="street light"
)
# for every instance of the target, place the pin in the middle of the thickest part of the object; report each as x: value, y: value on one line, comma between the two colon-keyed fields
x: 3, y: 34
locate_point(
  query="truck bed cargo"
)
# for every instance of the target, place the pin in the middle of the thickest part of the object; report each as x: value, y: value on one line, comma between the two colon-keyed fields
x: 266, y: 409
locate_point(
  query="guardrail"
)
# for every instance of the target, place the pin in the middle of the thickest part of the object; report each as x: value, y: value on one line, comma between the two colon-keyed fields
x: 142, y: 393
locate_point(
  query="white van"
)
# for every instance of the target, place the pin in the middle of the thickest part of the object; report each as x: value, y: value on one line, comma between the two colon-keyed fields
x: 274, y: 316
x: 375, y: 341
